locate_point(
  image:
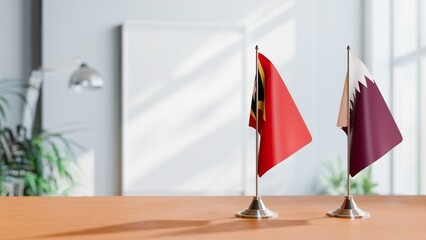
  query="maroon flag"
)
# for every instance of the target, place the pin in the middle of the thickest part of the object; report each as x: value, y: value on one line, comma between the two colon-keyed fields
x: 372, y: 131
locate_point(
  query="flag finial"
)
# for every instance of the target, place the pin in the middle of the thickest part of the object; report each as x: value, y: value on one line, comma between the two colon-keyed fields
x: 349, y: 48
x: 257, y: 47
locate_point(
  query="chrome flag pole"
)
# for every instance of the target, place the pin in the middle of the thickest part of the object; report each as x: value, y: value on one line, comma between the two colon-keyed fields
x: 257, y: 208
x: 348, y: 209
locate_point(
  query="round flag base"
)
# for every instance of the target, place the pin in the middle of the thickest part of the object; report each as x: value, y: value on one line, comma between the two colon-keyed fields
x: 348, y: 209
x: 257, y: 209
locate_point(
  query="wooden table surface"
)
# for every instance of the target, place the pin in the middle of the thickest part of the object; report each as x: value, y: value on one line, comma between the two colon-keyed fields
x: 300, y: 217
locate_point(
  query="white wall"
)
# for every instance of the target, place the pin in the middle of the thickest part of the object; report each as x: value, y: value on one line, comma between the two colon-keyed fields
x: 306, y: 39
x: 15, y: 47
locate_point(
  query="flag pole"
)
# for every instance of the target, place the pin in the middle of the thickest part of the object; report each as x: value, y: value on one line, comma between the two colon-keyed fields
x: 348, y: 209
x: 257, y: 121
x: 257, y: 208
x: 348, y: 182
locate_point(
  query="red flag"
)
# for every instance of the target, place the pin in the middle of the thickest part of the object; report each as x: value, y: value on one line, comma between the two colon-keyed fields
x: 281, y: 127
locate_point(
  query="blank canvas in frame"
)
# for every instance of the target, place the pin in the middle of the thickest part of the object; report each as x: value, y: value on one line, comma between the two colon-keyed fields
x: 182, y: 109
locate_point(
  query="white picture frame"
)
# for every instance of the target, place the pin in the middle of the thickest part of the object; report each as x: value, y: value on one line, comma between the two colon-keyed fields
x: 184, y: 108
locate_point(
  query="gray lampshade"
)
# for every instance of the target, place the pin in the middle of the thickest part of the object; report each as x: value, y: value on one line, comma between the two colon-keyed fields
x: 86, y: 77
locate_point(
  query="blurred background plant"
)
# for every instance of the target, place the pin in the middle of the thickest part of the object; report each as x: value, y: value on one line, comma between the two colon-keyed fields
x: 41, y: 163
x: 333, y: 180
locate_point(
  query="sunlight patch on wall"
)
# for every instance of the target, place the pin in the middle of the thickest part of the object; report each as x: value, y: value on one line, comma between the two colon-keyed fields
x: 266, y: 12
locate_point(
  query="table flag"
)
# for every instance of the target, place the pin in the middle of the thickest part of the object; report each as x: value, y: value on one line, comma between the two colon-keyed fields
x: 281, y: 127
x: 372, y: 129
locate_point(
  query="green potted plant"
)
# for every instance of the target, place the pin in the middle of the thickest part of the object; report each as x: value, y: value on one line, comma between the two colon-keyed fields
x: 33, y: 166
x: 333, y: 180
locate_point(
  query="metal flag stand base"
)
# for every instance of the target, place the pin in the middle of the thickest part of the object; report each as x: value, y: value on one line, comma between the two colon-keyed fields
x: 257, y: 209
x: 348, y: 209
